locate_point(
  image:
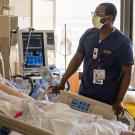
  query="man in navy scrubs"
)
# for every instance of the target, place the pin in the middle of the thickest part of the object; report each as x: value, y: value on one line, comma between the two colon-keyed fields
x: 108, y: 60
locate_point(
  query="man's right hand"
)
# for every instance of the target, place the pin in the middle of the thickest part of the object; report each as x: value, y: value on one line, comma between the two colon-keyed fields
x: 57, y: 88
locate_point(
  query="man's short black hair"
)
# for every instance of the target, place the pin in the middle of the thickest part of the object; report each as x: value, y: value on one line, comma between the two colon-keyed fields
x: 110, y: 9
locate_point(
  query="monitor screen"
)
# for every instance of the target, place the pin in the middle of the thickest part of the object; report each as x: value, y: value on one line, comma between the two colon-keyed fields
x: 33, y: 49
x: 50, y: 38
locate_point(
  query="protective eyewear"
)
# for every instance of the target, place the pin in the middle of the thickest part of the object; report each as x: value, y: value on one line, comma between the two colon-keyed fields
x: 96, y: 14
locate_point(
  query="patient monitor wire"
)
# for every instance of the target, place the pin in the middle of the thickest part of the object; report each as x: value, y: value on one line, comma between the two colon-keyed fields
x: 31, y: 30
x: 26, y: 78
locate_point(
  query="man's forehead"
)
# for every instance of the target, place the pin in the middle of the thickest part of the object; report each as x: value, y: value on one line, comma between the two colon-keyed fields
x: 100, y: 9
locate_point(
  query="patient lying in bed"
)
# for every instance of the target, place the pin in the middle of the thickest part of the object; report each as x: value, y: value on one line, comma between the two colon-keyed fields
x: 56, y: 117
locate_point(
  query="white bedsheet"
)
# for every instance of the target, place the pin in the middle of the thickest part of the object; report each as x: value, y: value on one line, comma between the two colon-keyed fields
x: 59, y: 118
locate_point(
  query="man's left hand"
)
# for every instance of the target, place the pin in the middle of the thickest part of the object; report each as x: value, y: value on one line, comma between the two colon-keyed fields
x: 118, y: 108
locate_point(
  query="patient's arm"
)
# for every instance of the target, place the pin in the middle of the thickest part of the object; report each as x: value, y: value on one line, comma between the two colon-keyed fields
x: 4, y: 87
x: 127, y: 133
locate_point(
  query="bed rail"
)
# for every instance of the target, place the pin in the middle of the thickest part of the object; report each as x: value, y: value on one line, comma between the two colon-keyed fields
x: 21, y: 127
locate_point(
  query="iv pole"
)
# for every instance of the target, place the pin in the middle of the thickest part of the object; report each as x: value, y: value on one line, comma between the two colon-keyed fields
x: 65, y: 46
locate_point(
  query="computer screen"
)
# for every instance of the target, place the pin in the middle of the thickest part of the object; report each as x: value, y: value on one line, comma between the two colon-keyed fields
x: 33, y: 53
x: 33, y: 50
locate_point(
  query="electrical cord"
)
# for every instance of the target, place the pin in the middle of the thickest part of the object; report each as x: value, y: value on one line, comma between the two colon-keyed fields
x: 26, y: 78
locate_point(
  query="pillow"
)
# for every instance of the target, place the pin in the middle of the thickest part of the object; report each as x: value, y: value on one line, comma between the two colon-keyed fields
x: 129, y: 97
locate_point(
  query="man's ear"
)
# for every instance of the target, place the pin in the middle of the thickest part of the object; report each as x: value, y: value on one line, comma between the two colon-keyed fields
x: 108, y: 18
x: 104, y: 20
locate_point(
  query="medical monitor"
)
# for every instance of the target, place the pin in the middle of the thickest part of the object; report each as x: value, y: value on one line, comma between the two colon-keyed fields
x: 32, y: 50
x: 50, y: 40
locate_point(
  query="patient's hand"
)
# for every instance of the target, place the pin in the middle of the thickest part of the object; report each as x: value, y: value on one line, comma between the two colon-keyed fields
x: 4, y: 87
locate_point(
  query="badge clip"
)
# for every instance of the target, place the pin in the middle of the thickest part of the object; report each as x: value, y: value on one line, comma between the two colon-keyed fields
x: 95, y: 53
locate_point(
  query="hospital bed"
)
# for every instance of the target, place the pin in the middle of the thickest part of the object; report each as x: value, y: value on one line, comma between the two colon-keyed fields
x: 76, y: 102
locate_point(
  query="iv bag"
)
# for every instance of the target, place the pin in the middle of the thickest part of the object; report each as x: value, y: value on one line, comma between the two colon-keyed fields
x: 65, y: 43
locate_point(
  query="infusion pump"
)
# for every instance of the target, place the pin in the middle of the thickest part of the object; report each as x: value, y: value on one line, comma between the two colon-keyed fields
x: 33, y: 47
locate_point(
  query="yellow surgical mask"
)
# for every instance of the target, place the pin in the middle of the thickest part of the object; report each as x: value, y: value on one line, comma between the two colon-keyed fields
x: 96, y: 22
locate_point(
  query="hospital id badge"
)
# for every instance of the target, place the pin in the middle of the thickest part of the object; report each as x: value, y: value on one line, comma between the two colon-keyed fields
x: 98, y: 76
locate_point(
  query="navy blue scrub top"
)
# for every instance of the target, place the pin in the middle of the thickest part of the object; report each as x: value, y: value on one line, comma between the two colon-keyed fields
x: 114, y: 52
